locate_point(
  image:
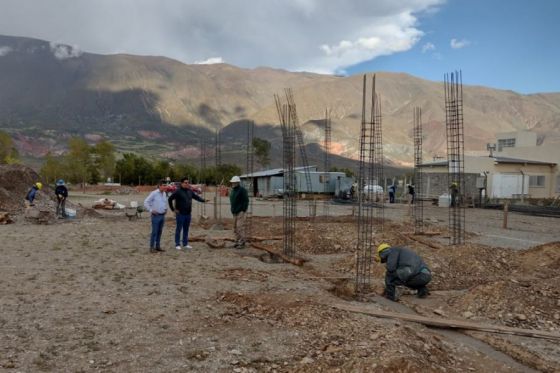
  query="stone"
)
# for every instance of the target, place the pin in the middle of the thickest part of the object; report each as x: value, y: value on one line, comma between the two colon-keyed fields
x: 467, y: 314
x: 307, y: 360
x: 521, y: 317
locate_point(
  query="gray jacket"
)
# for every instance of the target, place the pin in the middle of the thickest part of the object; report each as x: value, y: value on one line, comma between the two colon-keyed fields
x: 402, y: 262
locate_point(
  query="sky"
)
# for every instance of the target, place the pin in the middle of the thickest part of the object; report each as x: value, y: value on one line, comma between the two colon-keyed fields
x: 496, y: 43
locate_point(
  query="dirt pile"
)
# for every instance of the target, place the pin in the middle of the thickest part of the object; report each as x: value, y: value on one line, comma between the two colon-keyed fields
x: 15, y: 181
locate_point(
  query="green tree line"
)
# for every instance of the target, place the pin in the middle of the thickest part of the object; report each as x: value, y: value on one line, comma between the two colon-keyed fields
x: 8, y: 151
x: 96, y: 163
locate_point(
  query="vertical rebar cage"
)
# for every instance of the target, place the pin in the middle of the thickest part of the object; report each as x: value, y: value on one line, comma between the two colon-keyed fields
x: 249, y: 169
x: 201, y: 179
x: 453, y: 86
x: 303, y: 154
x: 418, y: 205
x: 326, y: 160
x: 289, y: 193
x: 370, y: 196
x: 218, y: 163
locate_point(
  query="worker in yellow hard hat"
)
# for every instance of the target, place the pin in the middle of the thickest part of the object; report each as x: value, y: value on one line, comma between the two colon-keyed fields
x: 404, y: 267
x: 30, y: 197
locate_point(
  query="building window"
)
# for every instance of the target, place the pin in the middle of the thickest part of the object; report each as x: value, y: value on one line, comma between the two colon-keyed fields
x: 324, y: 179
x: 536, y: 181
x: 505, y: 143
x: 558, y: 184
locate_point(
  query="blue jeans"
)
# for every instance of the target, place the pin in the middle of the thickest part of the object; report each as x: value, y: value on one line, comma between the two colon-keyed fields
x: 182, y: 223
x: 157, y: 228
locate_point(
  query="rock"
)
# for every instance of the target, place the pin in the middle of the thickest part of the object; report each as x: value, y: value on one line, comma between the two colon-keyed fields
x: 307, y: 360
x: 556, y: 316
x: 521, y: 317
x: 235, y: 352
x: 467, y: 314
x: 439, y: 311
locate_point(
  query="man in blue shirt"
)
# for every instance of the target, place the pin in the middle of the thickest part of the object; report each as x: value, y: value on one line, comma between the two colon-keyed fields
x: 156, y: 204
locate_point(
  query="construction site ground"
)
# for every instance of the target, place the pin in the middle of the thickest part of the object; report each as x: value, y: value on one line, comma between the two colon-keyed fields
x: 86, y: 295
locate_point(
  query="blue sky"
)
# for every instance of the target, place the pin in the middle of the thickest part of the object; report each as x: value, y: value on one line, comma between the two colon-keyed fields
x: 502, y: 44
x: 510, y: 45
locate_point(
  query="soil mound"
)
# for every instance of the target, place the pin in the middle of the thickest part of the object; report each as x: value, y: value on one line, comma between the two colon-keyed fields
x: 542, y: 256
x: 15, y: 181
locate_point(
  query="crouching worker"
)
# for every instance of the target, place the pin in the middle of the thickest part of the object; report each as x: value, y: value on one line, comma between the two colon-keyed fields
x: 404, y: 267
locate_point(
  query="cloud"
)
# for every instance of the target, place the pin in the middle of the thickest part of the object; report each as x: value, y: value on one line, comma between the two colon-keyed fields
x: 62, y: 51
x: 210, y: 61
x: 312, y: 35
x: 5, y: 50
x: 428, y: 47
x: 458, y: 44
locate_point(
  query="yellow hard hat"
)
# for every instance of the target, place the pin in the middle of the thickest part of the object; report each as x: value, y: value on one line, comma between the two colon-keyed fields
x: 380, y: 248
x: 39, y: 185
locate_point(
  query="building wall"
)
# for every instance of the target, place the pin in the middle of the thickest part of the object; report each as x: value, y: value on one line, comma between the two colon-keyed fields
x: 435, y: 178
x: 436, y: 183
x: 547, y: 190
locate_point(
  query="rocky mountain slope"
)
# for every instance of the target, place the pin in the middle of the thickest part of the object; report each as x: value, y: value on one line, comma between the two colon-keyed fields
x: 156, y: 105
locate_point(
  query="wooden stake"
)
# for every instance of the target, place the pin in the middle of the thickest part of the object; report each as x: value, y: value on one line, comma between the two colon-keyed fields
x: 447, y: 323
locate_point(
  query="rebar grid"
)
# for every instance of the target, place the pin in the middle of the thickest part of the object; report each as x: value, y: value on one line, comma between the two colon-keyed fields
x: 327, y: 163
x: 303, y: 154
x: 249, y: 169
x: 218, y: 163
x: 378, y: 174
x: 418, y: 205
x: 453, y: 86
x: 286, y: 115
x: 202, y: 175
x: 368, y: 191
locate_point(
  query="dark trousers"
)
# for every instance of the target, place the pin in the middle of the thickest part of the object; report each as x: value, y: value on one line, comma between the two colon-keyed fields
x: 157, y: 229
x: 182, y: 224
x: 61, y: 207
x: 417, y: 282
x: 391, y: 197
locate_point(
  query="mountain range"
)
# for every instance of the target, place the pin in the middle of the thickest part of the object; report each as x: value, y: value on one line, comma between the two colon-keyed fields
x: 162, y: 107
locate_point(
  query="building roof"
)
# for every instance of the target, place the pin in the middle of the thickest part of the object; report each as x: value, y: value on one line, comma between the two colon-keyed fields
x: 497, y: 159
x: 521, y: 161
x: 273, y: 172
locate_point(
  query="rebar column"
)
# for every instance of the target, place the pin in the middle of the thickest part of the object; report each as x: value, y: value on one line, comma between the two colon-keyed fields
x: 453, y: 87
x: 219, y: 184
x: 249, y: 169
x: 378, y: 175
x: 418, y: 203
x: 289, y: 211
x: 327, y: 164
x: 367, y: 191
x: 303, y: 154
x: 202, y: 177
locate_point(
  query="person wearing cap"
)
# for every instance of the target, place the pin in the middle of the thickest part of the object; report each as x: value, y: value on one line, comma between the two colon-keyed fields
x: 404, y: 267
x: 61, y: 194
x: 180, y: 202
x: 156, y: 204
x: 30, y: 197
x: 239, y: 201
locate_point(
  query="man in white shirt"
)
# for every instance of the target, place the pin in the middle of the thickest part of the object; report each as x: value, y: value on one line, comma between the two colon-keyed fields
x: 156, y: 204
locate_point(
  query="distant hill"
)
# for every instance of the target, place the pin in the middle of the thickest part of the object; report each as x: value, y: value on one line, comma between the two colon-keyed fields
x: 162, y: 107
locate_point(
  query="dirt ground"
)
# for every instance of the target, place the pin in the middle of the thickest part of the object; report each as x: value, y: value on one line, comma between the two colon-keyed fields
x: 85, y: 295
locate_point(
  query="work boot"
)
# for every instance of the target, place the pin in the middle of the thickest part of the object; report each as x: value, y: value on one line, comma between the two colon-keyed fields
x: 159, y: 249
x: 153, y: 250
x: 423, y: 292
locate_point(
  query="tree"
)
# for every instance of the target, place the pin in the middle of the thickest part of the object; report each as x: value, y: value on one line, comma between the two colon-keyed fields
x: 52, y: 169
x: 78, y: 160
x: 105, y: 159
x: 262, y: 151
x: 8, y: 151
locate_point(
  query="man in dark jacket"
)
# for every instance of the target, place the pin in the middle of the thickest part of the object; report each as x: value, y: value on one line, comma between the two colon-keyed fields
x: 61, y: 194
x: 404, y: 267
x: 239, y: 201
x: 183, y: 207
